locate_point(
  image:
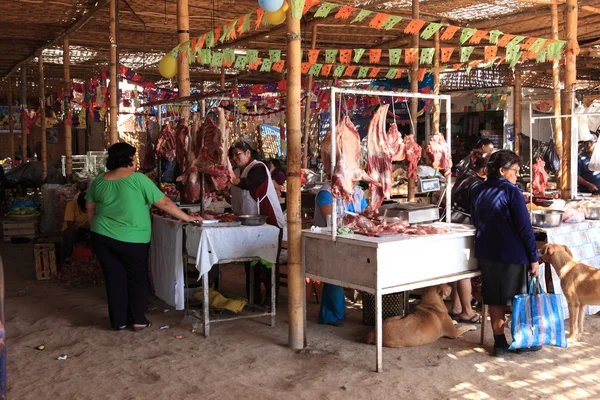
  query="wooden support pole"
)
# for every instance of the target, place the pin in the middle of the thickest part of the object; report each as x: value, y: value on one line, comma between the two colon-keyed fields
x: 414, y: 88
x: 517, y: 112
x: 67, y: 96
x: 296, y: 286
x: 43, y: 119
x: 567, y: 188
x: 436, y: 83
x: 558, y: 135
x: 113, y: 88
x: 222, y: 77
x: 23, y: 87
x: 183, y: 65
x: 307, y: 110
x: 11, y: 125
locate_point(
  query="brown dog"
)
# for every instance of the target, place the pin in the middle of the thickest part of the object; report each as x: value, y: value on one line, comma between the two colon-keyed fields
x: 426, y: 324
x: 580, y: 284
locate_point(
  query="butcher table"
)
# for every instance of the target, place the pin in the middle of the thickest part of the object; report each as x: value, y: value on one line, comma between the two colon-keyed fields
x: 389, y: 264
x: 205, y: 247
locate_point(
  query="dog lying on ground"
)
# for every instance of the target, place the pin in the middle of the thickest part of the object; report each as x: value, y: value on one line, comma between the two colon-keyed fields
x: 580, y: 284
x: 426, y: 324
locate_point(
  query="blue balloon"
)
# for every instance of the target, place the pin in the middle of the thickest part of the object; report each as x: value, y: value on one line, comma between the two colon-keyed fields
x: 270, y: 5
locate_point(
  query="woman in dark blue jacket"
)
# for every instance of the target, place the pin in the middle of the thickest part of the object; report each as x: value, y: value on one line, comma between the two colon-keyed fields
x: 504, y: 243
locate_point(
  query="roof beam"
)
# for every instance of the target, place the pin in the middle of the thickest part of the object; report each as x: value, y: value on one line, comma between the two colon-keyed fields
x: 57, y: 40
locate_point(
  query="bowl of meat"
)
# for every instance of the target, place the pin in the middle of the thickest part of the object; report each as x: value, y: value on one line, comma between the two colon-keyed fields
x: 252, y: 220
x: 547, y: 218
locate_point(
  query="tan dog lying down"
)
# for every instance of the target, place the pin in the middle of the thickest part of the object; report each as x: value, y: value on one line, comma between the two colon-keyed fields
x: 580, y: 284
x: 426, y: 324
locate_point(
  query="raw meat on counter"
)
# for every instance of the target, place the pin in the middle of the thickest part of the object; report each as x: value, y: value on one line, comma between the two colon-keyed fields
x: 540, y: 177
x: 166, y: 143
x: 382, y: 147
x: 382, y: 227
x: 438, y: 151
x: 221, y: 217
x: 413, y: 155
x: 212, y: 160
x: 348, y: 170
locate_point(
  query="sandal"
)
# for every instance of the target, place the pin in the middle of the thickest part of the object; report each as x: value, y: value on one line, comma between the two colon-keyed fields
x: 141, y: 328
x: 455, y: 316
x: 475, y: 319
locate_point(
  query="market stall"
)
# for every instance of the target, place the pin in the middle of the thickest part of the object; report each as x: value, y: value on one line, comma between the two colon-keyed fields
x: 175, y: 243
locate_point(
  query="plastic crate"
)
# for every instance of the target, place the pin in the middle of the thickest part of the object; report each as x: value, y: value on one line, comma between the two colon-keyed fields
x: 79, y: 163
x: 10, y: 229
x: 97, y: 161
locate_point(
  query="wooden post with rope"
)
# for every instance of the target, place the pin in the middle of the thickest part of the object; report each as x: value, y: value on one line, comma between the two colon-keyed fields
x: 307, y: 110
x: 436, y: 84
x: 517, y: 113
x: 558, y: 135
x: 294, y: 140
x: 414, y: 88
x: 43, y: 118
x: 113, y: 89
x: 23, y: 84
x: 567, y: 109
x: 66, y: 97
x: 183, y: 66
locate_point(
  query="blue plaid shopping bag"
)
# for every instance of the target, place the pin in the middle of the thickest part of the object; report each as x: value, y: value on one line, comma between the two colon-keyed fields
x: 537, y: 319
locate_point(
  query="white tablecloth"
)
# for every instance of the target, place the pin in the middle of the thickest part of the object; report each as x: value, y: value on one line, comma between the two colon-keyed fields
x: 212, y: 245
x: 583, y: 239
x: 166, y: 261
x: 208, y: 246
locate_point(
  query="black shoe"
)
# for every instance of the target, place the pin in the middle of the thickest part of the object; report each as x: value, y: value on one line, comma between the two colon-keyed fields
x: 500, y: 350
x: 529, y: 349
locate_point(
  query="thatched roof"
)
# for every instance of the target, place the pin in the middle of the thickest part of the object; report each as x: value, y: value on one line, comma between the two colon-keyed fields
x: 148, y: 30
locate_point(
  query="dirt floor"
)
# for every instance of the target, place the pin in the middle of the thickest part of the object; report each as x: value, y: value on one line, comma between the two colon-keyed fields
x: 248, y: 359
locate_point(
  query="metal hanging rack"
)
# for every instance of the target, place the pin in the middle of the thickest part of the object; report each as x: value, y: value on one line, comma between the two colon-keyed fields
x: 445, y: 97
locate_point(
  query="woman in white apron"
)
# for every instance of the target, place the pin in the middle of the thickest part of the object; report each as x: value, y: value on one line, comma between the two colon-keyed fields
x: 253, y: 193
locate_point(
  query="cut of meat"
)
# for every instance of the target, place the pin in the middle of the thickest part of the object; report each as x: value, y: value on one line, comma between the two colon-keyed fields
x: 212, y: 146
x: 348, y: 171
x: 438, y: 152
x: 182, y: 144
x: 166, y: 143
x: 540, y: 177
x: 149, y: 162
x: 413, y: 155
x: 382, y: 147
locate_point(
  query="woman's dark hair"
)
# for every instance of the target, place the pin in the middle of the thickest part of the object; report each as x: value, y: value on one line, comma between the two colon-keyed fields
x: 81, y: 201
x: 483, y: 142
x: 276, y: 163
x: 501, y: 159
x: 245, y: 146
x: 479, y: 160
x: 120, y: 155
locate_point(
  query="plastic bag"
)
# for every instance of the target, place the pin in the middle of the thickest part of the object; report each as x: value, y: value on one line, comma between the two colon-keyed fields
x: 595, y: 159
x: 550, y: 157
x: 537, y: 319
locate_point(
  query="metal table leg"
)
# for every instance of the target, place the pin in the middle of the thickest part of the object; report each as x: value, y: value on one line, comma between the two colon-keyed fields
x: 251, y: 280
x: 379, y: 331
x: 205, y: 305
x: 273, y: 295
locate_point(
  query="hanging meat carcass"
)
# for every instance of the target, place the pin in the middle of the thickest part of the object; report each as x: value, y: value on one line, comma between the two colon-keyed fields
x: 382, y: 147
x: 348, y: 171
x: 540, y: 177
x: 438, y: 152
x: 182, y: 135
x: 413, y: 155
x: 149, y: 162
x: 213, y: 160
x: 166, y: 143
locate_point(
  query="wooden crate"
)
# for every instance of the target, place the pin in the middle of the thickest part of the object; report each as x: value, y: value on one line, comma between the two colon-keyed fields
x: 26, y: 229
x: 45, y: 261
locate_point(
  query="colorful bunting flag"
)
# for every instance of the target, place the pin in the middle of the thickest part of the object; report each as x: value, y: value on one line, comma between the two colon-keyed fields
x: 361, y: 16
x: 324, y: 10
x: 345, y: 56
x: 297, y: 8
x: 252, y: 56
x: 414, y: 26
x: 391, y: 22
x: 538, y: 45
x: 374, y: 56
x: 326, y: 70
x: 344, y: 12
x: 205, y: 56
x: 465, y: 53
x: 275, y: 55
x: 374, y: 72
x: 555, y: 49
x: 466, y: 34
x: 330, y: 56
x: 527, y: 44
x: 427, y: 55
x: 494, y: 35
x: 411, y: 55
x: 241, y: 62
x: 315, y: 69
x: 362, y: 72
x: 421, y: 75
x: 446, y: 53
x: 254, y: 66
x: 517, y: 39
x: 391, y: 74
x: 350, y: 70
x: 394, y: 55
x: 228, y: 57
x: 305, y: 67
x: 259, y: 17
x: 449, y: 32
x: 308, y: 5
x: 503, y: 41
x: 378, y: 20
x: 313, y: 56
x: 358, y: 53
x: 431, y: 29
x: 278, y: 66
x: 339, y: 70
x: 217, y: 35
x: 476, y: 38
x: 490, y: 53
x: 542, y: 55
x: 245, y: 24
x: 217, y: 60
x: 266, y: 65
x: 210, y: 40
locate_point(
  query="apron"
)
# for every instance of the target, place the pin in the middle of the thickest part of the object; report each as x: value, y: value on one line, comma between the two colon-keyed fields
x: 341, y: 205
x: 243, y: 203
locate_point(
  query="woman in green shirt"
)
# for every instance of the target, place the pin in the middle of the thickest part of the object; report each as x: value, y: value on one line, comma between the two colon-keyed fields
x: 118, y: 210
